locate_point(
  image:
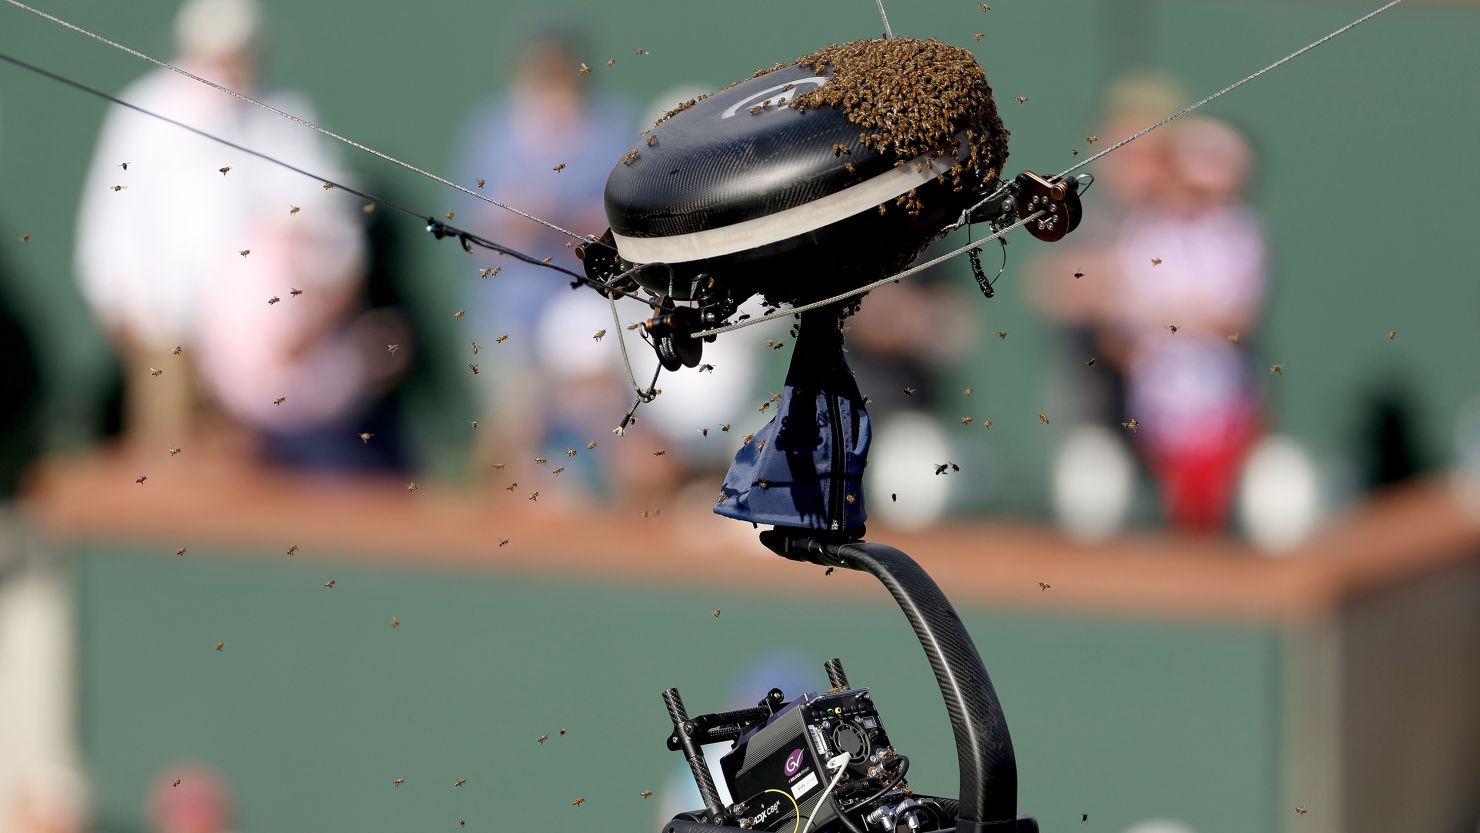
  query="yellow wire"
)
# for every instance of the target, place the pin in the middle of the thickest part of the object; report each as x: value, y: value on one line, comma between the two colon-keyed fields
x: 794, y: 806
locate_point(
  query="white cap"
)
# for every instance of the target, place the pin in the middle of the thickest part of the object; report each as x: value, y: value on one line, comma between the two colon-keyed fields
x: 217, y: 28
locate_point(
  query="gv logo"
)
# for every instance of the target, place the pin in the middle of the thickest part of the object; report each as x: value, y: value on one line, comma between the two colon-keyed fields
x: 776, y: 94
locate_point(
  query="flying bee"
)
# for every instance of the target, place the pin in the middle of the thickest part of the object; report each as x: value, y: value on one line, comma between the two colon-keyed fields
x: 716, y: 613
x: 1043, y: 585
x: 398, y: 782
x: 1155, y: 261
x: 473, y: 345
x: 175, y: 451
x: 117, y: 188
x: 459, y: 782
x: 224, y: 171
x: 1233, y: 338
x: 652, y: 140
x: 940, y: 468
x: 557, y: 470
x: 473, y: 367
x: 1392, y: 335
x: 1022, y: 99
x: 706, y: 368
x: 490, y: 272
x: 462, y: 822
x: 534, y: 496
x: 177, y: 782
x: 1174, y: 328
x: 590, y: 445
x: 763, y: 407
x: 966, y: 392
x: 558, y: 168
x: 1002, y: 334
x: 1091, y: 362
x: 365, y: 436
x: 497, y: 466
x: 541, y: 739
x: 909, y: 391
x: 585, y: 70
x: 473, y: 424
x: 457, y: 316
x: 395, y: 623
x: 634, y: 325
x: 329, y: 584
x: 548, y: 260
x: 368, y: 208
x: 640, y: 51
x: 1078, y: 275
x: 540, y: 461
x: 850, y: 498
x: 293, y: 210
x: 1091, y: 139
x: 294, y: 292
x: 1301, y: 811
x: 328, y: 186
x: 481, y: 182
x: 1277, y: 369
x: 26, y: 237
x: 1043, y: 418
x: 141, y: 478
x: 578, y: 802
x: 512, y: 486
x: 978, y: 35
x: 660, y: 452
x: 1132, y: 425
x: 985, y: 7
x: 704, y: 432
x: 646, y: 793
x: 724, y: 426
x: 448, y: 215
x: 501, y: 339
x: 124, y: 166
x: 986, y: 423
x: 180, y: 552
x: 244, y: 252
x: 273, y: 300
x: 966, y: 420
x: 178, y: 350
x: 563, y: 731
x: 503, y: 541
x: 570, y: 452
x: 600, y: 334
x: 411, y: 487
x: 220, y: 646
x: 745, y: 440
x: 154, y: 371
x: 1073, y: 151
x: 611, y: 62
x: 280, y: 400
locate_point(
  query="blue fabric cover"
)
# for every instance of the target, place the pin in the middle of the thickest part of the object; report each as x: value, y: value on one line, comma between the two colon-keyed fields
x: 787, y: 475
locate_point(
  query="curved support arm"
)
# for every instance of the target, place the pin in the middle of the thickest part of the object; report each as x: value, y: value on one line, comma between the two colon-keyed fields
x: 988, y: 798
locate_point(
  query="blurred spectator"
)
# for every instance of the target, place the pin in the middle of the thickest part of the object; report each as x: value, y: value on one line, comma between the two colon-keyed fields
x: 549, y: 118
x: 182, y: 244
x: 190, y: 799
x: 1169, y: 298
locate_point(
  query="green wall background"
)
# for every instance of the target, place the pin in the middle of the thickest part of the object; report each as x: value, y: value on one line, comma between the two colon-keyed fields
x: 315, y: 705
x: 1350, y: 136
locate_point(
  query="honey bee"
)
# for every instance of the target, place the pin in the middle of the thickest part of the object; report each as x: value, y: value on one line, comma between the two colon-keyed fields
x: 540, y: 461
x: 395, y: 623
x: 329, y: 584
x: 328, y: 186
x: 1002, y: 334
x: 411, y: 487
x: 1155, y: 261
x: 978, y: 35
x: 512, y: 486
x: 365, y: 436
x: 1174, y: 328
x: 652, y: 140
x: 600, y: 334
x: 368, y: 208
x: 634, y: 325
x: 1078, y: 275
x: 244, y: 252
x: 448, y: 215
x: 557, y: 470
x: 1043, y: 585
x: 1083, y: 817
x: 154, y: 371
x: 966, y: 391
x: 175, y: 451
x: 541, y: 739
x: 1022, y: 99
x: 646, y: 793
x: 909, y: 391
x: 724, y: 426
x: 26, y: 237
x: 501, y: 339
x: 462, y: 822
x: 986, y: 423
x: 1073, y: 151
x: 660, y: 452
x: 459, y: 782
x: 585, y: 70
x: 966, y: 420
x: 1091, y: 139
x: 457, y: 316
x: 1132, y: 425
x: 141, y: 478
x: 273, y: 300
x: 563, y: 731
x: 611, y: 62
x: 828, y: 571
x: 1233, y: 338
x: 640, y: 51
x: 473, y: 367
x: 763, y: 407
x: 1043, y: 418
x: 850, y: 498
x: 176, y: 782
x: 224, y: 171
x: 178, y: 350
x: 481, y: 182
x: 590, y: 445
x: 548, y: 260
x: 1091, y: 362
x: 473, y: 424
x: 558, y: 168
x: 220, y: 646
x: 295, y: 292
x: 716, y: 613
x: 1392, y: 335
x: 490, y: 272
x: 985, y: 7
x: 398, y: 782
x: 293, y: 210
x: 117, y: 188
x: 1300, y: 811
x: 503, y: 541
x: 473, y: 345
x: 578, y: 802
x: 1277, y: 369
x: 534, y: 495
x: 280, y: 400
x: 124, y: 166
x: 570, y: 452
x: 180, y: 552
x: 940, y: 468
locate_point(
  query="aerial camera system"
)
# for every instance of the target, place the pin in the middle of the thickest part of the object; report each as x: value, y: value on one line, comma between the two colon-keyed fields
x: 805, y: 184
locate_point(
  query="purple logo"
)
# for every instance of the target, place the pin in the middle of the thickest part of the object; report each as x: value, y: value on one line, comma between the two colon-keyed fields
x: 793, y: 763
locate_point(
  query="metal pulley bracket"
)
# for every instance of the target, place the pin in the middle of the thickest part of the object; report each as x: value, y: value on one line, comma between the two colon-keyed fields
x: 1058, y: 200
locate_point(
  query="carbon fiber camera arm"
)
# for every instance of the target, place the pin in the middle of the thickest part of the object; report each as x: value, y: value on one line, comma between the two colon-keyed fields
x: 988, y: 798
